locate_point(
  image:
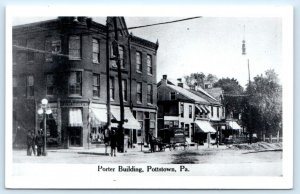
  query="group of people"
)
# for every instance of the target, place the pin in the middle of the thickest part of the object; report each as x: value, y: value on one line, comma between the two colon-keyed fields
x: 110, y: 139
x: 35, y: 143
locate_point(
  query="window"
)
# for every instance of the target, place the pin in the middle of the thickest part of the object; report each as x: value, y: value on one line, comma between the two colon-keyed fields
x: 96, y: 51
x: 50, y: 84
x: 52, y: 47
x: 30, y: 46
x: 139, y: 92
x: 30, y: 56
x: 150, y: 94
x: 30, y: 86
x: 140, y: 131
x: 15, y: 85
x: 212, y: 111
x: 218, y: 111
x: 187, y: 130
x: 138, y: 62
x: 124, y: 89
x: 121, y: 56
x: 149, y: 65
x: 75, y: 83
x: 112, y: 88
x: 190, y: 111
x: 182, y: 110
x: 74, y: 48
x: 173, y: 95
x: 96, y: 85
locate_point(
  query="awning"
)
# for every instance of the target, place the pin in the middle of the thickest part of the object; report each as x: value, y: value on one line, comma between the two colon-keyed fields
x: 206, y: 108
x: 75, y: 117
x: 132, y: 122
x: 98, y: 116
x: 201, y: 109
x: 204, y: 126
x: 234, y: 125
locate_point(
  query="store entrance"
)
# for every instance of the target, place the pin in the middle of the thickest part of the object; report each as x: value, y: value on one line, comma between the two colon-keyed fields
x: 75, y: 136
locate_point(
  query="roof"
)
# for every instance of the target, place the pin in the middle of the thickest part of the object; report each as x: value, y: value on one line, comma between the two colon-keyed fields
x: 215, y: 92
x: 206, y: 96
x: 188, y: 94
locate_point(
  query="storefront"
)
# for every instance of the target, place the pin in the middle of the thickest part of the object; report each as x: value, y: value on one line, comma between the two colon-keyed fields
x: 203, y: 131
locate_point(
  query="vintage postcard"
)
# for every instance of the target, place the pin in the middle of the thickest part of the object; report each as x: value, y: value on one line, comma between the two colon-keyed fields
x: 119, y: 97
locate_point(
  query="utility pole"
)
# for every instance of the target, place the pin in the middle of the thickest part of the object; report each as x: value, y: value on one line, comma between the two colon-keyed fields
x: 108, y: 77
x: 121, y: 128
x: 249, y: 89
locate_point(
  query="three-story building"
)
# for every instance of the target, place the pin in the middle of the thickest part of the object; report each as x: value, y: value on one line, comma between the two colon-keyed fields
x: 70, y: 62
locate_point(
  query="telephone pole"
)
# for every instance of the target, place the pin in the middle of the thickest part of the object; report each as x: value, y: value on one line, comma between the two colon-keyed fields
x: 121, y: 122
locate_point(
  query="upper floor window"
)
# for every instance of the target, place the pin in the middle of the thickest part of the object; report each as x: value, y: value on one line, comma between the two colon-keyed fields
x: 218, y: 113
x: 75, y: 83
x: 124, y: 89
x: 96, y: 51
x: 50, y: 84
x: 112, y: 88
x: 138, y: 62
x: 139, y: 92
x: 190, y: 111
x: 74, y: 48
x: 121, y: 56
x: 173, y: 95
x: 149, y: 64
x: 96, y: 85
x: 15, y: 85
x: 30, y: 44
x: 52, y: 47
x: 212, y: 111
x: 150, y: 94
x: 30, y: 86
x: 30, y: 56
x: 182, y: 110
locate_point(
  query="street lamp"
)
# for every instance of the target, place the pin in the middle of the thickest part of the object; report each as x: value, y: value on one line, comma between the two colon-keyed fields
x: 43, y: 110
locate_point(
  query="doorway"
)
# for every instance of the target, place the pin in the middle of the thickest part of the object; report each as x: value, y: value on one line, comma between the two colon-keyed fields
x: 75, y: 136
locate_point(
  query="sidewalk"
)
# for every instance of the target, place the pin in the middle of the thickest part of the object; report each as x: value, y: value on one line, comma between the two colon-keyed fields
x: 135, y: 150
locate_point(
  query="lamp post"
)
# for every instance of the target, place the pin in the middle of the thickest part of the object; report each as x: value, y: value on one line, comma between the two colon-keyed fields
x: 44, y: 110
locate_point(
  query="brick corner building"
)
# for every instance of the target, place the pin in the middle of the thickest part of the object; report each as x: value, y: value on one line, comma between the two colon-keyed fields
x: 70, y: 62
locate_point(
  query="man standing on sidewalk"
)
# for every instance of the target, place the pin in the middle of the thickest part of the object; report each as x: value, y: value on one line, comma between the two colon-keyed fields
x: 30, y: 143
x: 106, y: 139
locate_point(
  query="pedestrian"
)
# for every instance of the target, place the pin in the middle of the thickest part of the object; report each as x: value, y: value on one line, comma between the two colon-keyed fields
x: 113, y: 143
x: 152, y: 142
x: 39, y: 142
x: 30, y: 143
x: 106, y: 140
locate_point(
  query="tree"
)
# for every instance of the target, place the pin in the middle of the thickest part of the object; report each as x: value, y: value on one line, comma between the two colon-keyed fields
x: 265, y: 103
x: 199, y: 79
x: 195, y: 79
x: 233, y: 96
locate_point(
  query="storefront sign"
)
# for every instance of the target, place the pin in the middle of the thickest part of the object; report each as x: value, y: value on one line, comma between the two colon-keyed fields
x: 74, y: 104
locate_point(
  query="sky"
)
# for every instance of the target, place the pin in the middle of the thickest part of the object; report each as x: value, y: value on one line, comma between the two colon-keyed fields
x: 209, y: 45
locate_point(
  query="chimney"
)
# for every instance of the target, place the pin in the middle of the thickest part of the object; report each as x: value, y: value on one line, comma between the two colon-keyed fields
x: 180, y: 84
x: 164, y: 80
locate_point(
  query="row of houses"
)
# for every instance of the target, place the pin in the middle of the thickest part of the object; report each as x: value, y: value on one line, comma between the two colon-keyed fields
x: 70, y: 62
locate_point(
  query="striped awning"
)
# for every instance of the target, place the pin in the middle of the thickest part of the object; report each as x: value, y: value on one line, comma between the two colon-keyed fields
x: 75, y: 117
x: 132, y: 122
x: 204, y: 127
x: 200, y: 108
